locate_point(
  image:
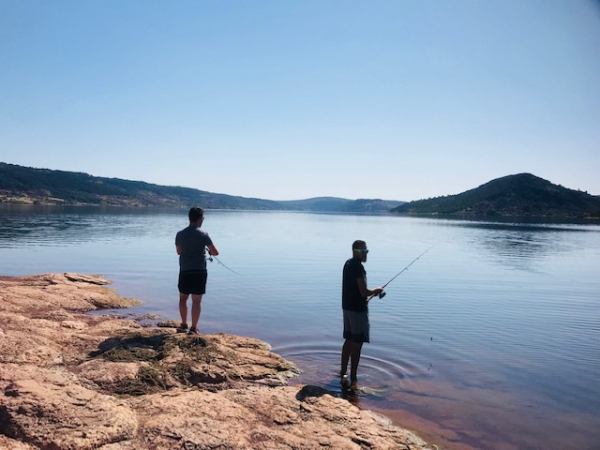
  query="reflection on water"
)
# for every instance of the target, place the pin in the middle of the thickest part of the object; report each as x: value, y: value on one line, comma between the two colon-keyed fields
x: 37, y: 225
x: 490, y: 340
x: 519, y: 246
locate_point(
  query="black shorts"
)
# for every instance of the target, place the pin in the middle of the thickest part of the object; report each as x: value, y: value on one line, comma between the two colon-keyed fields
x: 192, y: 282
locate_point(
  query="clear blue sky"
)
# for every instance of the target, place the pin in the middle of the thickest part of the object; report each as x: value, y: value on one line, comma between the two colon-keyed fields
x: 402, y: 99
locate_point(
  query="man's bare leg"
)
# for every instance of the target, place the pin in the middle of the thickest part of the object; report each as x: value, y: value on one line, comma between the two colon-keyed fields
x: 196, y: 309
x: 354, y: 360
x: 183, y: 308
x: 346, y: 350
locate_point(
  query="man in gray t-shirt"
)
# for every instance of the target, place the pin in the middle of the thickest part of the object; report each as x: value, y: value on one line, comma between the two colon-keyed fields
x: 191, y: 244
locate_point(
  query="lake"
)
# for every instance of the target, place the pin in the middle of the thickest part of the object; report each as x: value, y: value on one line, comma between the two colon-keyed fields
x: 489, y: 341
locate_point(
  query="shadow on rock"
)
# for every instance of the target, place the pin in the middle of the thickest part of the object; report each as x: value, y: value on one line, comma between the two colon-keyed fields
x: 150, y: 361
x: 313, y: 391
x: 144, y: 347
x: 163, y: 362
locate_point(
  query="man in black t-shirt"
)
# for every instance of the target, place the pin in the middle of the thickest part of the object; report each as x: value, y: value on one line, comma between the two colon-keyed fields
x: 191, y: 244
x: 355, y: 295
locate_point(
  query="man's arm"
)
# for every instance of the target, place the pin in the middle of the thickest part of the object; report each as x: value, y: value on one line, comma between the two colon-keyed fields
x: 178, y: 249
x: 212, y: 250
x: 364, y: 290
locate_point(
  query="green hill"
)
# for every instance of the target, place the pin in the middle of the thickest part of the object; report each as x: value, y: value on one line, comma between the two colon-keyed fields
x: 335, y: 204
x: 521, y: 195
x: 20, y: 184
x: 369, y: 205
x: 323, y: 204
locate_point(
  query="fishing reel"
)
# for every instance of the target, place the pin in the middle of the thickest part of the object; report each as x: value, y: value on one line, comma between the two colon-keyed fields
x: 211, y: 257
x: 373, y: 296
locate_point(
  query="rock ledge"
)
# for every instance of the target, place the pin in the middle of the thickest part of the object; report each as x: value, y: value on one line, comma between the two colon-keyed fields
x: 70, y: 380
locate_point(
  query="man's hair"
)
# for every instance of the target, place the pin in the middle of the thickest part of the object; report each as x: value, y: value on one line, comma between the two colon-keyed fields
x: 195, y: 213
x: 358, y: 244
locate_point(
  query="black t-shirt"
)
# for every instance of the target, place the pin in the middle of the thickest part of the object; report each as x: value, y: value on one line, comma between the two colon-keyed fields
x: 351, y: 298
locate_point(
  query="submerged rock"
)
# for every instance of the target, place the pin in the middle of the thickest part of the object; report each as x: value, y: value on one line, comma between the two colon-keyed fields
x: 70, y: 380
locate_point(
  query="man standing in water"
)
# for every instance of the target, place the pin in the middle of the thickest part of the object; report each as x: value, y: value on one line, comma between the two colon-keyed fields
x: 191, y: 244
x: 356, y: 311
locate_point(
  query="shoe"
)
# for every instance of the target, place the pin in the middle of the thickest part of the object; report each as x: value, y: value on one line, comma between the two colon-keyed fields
x: 194, y: 330
x: 183, y: 328
x: 353, y: 387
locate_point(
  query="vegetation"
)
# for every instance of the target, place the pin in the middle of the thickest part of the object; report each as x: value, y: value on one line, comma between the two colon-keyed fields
x: 20, y: 184
x: 334, y: 204
x: 323, y: 204
x: 24, y: 184
x: 370, y: 205
x: 521, y: 195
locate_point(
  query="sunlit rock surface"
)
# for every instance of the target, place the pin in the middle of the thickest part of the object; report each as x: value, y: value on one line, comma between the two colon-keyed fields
x: 70, y: 380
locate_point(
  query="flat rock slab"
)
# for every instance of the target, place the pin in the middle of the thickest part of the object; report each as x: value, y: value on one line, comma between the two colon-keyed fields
x: 70, y: 380
x: 50, y: 409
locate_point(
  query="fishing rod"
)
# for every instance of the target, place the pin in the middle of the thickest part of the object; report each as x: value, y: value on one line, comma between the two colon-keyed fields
x: 211, y: 257
x: 399, y: 273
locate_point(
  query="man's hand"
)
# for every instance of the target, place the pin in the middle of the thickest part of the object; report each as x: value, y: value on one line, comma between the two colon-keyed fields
x: 377, y: 291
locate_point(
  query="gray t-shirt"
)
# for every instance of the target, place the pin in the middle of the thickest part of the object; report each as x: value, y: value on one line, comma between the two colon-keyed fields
x: 192, y: 244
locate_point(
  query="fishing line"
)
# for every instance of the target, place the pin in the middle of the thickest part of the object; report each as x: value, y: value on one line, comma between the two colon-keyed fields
x: 399, y: 273
x: 211, y: 257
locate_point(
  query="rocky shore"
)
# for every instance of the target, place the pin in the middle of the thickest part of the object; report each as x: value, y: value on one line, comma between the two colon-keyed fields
x: 73, y: 380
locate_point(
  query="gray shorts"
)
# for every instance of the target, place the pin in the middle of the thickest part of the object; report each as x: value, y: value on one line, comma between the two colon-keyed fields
x: 356, y: 326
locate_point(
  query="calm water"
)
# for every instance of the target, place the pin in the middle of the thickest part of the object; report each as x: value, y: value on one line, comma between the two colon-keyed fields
x: 490, y: 341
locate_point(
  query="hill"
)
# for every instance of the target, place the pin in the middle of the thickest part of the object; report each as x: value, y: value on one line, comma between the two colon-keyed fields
x: 521, y: 195
x: 324, y: 204
x: 20, y: 184
x: 369, y: 205
x: 335, y: 204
